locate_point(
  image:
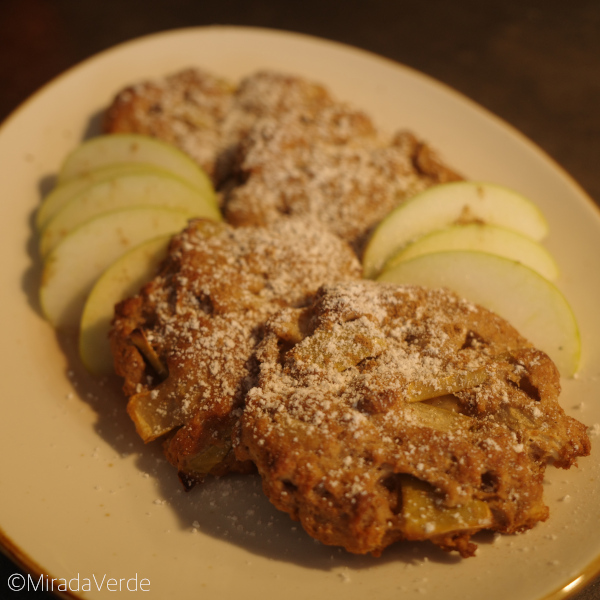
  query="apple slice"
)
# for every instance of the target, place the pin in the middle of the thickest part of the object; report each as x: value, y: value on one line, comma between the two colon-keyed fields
x: 123, y: 191
x: 122, y: 279
x: 118, y: 148
x: 448, y: 204
x: 486, y: 238
x: 72, y: 268
x: 530, y: 303
x: 63, y: 192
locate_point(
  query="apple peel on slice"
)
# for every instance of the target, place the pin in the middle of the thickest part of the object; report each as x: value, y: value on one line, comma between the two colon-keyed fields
x: 121, y: 279
x: 485, y: 238
x: 65, y: 191
x: 105, y: 150
x: 528, y: 301
x: 73, y: 267
x: 448, y: 204
x: 123, y: 191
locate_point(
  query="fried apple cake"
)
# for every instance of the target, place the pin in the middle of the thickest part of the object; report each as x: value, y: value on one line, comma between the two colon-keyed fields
x: 207, y: 116
x: 387, y: 413
x: 186, y: 109
x: 278, y: 145
x: 184, y: 345
x: 332, y: 165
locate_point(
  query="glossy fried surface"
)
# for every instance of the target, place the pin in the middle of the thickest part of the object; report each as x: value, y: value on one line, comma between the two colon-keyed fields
x: 386, y: 412
x: 184, y: 345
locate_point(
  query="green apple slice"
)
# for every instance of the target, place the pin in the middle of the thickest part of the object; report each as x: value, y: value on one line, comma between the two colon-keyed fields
x: 529, y: 302
x: 448, y: 204
x: 72, y: 268
x: 486, y: 238
x: 122, y: 279
x: 123, y: 191
x: 118, y: 148
x: 67, y: 190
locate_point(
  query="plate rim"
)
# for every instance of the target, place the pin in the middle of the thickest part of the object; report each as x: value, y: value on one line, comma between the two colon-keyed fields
x: 11, y: 548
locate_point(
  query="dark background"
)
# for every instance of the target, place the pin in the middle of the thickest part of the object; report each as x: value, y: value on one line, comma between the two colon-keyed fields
x: 535, y: 63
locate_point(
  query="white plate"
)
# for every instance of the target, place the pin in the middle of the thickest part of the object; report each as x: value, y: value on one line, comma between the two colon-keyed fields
x: 79, y: 494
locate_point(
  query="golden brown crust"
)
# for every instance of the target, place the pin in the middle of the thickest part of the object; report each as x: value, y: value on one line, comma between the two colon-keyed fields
x: 425, y: 160
x: 387, y: 389
x: 186, y: 109
x: 281, y: 145
x: 205, y: 115
x: 330, y: 164
x: 184, y: 345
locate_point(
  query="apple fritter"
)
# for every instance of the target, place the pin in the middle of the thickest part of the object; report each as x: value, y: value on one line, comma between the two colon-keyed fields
x: 278, y: 145
x: 184, y: 345
x: 333, y: 165
x: 207, y: 116
x: 388, y: 412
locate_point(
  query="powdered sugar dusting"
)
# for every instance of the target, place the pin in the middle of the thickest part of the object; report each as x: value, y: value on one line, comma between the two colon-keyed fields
x: 389, y: 382
x: 203, y: 316
x: 279, y: 145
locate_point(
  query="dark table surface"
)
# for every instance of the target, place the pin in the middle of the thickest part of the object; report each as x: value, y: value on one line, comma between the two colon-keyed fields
x: 534, y: 63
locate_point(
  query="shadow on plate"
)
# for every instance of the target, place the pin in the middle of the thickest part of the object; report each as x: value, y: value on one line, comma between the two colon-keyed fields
x: 231, y: 508
x: 30, y: 282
